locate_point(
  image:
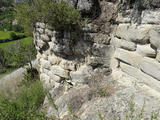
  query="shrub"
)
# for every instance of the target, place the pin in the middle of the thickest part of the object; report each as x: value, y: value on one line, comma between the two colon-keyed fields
x: 26, y: 105
x: 57, y: 14
x: 13, y: 36
x: 18, y: 28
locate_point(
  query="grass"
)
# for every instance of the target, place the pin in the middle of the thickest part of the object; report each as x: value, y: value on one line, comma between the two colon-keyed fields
x: 24, y: 41
x: 5, y: 34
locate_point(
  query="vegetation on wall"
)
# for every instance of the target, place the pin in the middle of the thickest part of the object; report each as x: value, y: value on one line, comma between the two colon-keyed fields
x: 59, y: 15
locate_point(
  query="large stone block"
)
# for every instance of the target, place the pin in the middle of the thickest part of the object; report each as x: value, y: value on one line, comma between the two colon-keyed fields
x: 155, y: 37
x: 133, y: 33
x: 121, y: 43
x: 151, y: 16
x: 146, y: 51
x: 131, y: 58
x: 140, y: 76
x: 57, y: 70
x: 151, y: 67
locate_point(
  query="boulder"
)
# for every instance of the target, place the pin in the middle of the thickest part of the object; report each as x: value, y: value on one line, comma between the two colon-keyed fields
x: 54, y: 77
x: 151, y: 16
x: 121, y: 43
x: 131, y: 58
x: 151, y: 67
x: 155, y: 37
x: 146, y: 51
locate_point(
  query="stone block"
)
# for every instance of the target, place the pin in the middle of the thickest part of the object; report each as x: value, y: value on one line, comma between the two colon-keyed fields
x: 45, y: 38
x: 45, y: 64
x: 54, y: 60
x: 57, y: 70
x: 121, y: 43
x: 146, y: 51
x: 131, y: 58
x: 155, y: 37
x: 68, y: 65
x: 151, y: 67
x: 134, y: 33
x: 140, y: 76
x: 54, y: 77
x: 151, y: 16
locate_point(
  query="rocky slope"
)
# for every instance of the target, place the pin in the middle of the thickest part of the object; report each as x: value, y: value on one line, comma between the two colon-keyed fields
x: 93, y: 74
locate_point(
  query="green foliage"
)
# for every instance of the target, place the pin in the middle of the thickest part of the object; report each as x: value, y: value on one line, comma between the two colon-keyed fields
x: 13, y: 36
x: 26, y: 105
x: 57, y: 14
x: 18, y: 28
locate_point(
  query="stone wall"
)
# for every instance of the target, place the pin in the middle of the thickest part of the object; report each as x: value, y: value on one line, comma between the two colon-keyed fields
x: 138, y: 46
x: 68, y: 57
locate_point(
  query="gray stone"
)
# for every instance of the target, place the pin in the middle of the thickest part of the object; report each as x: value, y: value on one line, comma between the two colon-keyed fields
x: 45, y: 64
x: 42, y: 25
x: 54, y: 77
x: 97, y: 38
x: 146, y: 51
x: 57, y: 70
x: 101, y: 50
x: 54, y: 60
x: 140, y: 76
x: 151, y: 16
x: 131, y: 58
x: 134, y: 33
x: 121, y: 43
x: 85, y: 5
x: 68, y: 65
x: 121, y: 19
x: 45, y: 38
x: 151, y: 67
x: 40, y: 30
x: 48, y: 32
x: 158, y: 56
x: 80, y: 75
x: 155, y: 37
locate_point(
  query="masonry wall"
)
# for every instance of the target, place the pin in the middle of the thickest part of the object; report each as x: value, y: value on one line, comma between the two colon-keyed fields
x: 138, y: 46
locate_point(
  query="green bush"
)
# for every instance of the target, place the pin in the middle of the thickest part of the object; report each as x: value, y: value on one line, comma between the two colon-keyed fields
x: 13, y: 36
x: 57, y: 14
x: 18, y: 28
x: 26, y: 105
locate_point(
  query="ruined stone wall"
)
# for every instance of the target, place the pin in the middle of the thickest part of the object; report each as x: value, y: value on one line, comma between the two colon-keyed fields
x: 68, y: 57
x: 138, y: 46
